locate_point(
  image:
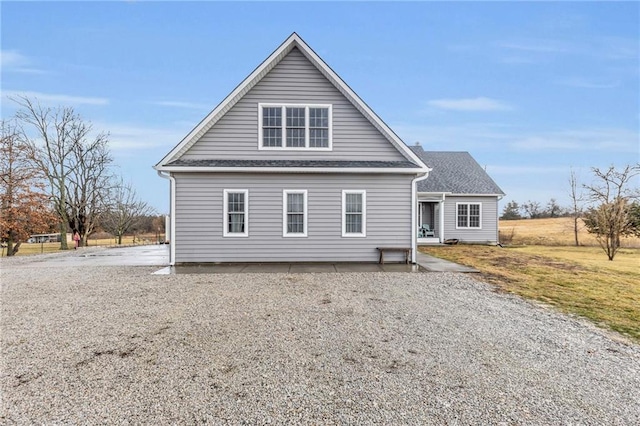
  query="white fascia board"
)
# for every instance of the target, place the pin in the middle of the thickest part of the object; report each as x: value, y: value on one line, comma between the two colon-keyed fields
x: 473, y: 195
x: 287, y: 170
x: 451, y: 194
x: 434, y: 193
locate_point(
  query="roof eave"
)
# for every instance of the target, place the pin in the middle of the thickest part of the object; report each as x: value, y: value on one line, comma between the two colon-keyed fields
x: 375, y: 170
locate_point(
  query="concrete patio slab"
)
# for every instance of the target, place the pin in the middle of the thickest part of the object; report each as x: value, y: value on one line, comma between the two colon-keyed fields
x: 300, y: 268
x: 210, y: 269
x: 158, y: 255
x: 434, y: 264
x: 291, y: 268
x: 267, y: 267
x: 399, y: 267
x: 358, y: 267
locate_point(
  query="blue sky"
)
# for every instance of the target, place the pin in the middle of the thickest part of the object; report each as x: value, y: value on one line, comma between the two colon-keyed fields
x: 529, y: 89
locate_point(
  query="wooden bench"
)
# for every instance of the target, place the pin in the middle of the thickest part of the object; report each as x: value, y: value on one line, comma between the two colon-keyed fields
x: 406, y: 251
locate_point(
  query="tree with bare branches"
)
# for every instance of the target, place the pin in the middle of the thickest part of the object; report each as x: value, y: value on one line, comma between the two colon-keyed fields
x: 577, y: 198
x: 88, y: 185
x: 613, y: 217
x: 124, y: 210
x: 74, y: 161
x: 24, y: 207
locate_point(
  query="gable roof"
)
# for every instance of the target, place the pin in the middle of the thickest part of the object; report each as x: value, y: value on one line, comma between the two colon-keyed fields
x: 293, y: 41
x: 455, y: 173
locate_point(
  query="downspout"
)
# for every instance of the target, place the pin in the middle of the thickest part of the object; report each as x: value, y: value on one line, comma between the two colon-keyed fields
x: 414, y: 213
x: 172, y: 215
x: 441, y: 230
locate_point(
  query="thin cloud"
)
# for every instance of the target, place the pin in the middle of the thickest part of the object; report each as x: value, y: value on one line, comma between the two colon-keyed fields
x: 582, y: 83
x: 518, y: 170
x: 606, y: 140
x: 470, y: 104
x: 538, y: 46
x: 600, y: 47
x: 125, y: 138
x: 14, y: 61
x: 496, y: 137
x: 56, y: 99
x: 464, y: 136
x: 180, y: 104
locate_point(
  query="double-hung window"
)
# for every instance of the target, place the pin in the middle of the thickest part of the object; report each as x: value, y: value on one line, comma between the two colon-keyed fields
x: 236, y: 213
x: 295, y: 127
x: 294, y: 213
x: 468, y: 215
x: 354, y: 213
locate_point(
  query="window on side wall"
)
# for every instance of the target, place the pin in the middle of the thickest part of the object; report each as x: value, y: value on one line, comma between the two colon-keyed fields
x: 469, y: 215
x: 295, y: 127
x: 236, y: 213
x: 294, y: 213
x: 354, y: 213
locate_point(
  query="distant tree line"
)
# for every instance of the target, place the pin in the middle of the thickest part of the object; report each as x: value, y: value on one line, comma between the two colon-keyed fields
x: 609, y: 207
x: 534, y: 210
x: 56, y: 172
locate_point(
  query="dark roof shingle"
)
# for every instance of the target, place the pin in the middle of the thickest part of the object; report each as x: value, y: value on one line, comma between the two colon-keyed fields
x: 294, y: 163
x: 455, y: 172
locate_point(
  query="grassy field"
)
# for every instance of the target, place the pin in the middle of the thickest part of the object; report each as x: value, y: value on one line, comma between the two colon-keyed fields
x: 37, y: 248
x: 551, y: 232
x: 576, y: 280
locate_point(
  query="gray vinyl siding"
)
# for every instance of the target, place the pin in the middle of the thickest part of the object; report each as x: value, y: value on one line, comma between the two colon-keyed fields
x: 489, y: 231
x: 199, y: 218
x: 294, y: 80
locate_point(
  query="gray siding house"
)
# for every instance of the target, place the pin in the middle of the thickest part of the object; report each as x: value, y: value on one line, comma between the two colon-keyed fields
x: 459, y: 200
x: 292, y: 166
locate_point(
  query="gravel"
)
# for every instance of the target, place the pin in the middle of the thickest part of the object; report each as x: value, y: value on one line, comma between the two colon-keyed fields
x: 121, y: 345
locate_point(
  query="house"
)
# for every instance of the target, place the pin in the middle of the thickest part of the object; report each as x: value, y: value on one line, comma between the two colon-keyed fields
x: 459, y: 200
x: 292, y: 166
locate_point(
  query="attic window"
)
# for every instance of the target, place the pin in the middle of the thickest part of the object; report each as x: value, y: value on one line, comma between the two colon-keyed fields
x: 295, y: 127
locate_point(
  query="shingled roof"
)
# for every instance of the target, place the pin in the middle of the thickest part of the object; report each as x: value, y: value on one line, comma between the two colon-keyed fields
x: 294, y: 163
x: 455, y: 172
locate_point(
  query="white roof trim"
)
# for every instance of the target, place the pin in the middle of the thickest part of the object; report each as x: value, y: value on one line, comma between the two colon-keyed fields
x: 202, y: 169
x: 267, y: 65
x: 474, y: 195
x: 451, y: 194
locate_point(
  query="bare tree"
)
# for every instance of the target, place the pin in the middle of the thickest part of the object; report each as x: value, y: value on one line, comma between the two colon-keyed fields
x: 74, y: 163
x: 532, y: 209
x: 23, y: 204
x: 88, y: 185
x: 124, y: 211
x: 577, y: 198
x: 612, y: 217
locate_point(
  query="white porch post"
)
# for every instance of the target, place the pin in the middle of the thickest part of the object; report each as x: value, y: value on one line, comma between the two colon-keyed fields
x: 414, y: 214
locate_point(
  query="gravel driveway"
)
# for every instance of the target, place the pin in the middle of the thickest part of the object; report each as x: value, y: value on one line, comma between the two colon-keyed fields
x: 99, y: 344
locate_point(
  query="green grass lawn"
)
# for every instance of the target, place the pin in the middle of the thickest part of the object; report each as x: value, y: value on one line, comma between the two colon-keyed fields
x: 576, y: 280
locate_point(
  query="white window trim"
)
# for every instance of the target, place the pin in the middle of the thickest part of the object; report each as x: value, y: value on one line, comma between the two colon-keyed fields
x: 469, y: 215
x: 284, y: 213
x: 225, y: 219
x: 284, y: 146
x: 344, y: 213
